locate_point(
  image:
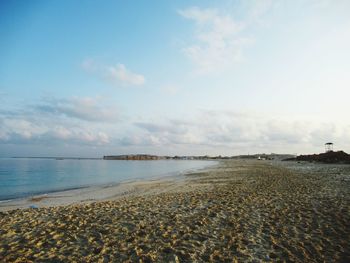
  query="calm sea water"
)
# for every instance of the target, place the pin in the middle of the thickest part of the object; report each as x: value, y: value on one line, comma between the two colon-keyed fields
x: 25, y: 176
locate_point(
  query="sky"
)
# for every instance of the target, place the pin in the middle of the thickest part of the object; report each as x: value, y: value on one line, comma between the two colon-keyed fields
x: 90, y: 78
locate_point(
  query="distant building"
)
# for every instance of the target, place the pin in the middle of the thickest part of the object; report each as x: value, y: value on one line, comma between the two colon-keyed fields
x: 328, y: 147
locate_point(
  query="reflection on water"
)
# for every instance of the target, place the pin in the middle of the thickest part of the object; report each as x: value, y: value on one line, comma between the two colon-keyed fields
x: 25, y: 176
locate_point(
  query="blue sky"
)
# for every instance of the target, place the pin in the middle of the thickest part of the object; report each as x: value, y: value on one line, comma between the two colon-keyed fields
x: 173, y: 77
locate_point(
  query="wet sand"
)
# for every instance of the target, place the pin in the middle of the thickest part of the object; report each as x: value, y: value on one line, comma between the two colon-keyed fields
x: 97, y: 193
x: 243, y: 211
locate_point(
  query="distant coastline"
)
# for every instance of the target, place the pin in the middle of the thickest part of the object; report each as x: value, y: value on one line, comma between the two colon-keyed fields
x: 138, y: 157
x: 56, y: 158
x: 141, y: 157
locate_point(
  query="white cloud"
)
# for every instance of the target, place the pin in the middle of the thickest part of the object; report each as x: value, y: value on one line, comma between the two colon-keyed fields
x: 88, y: 109
x: 73, y: 135
x: 219, y: 39
x: 75, y: 121
x: 61, y: 133
x: 94, y: 138
x: 121, y: 74
x: 89, y: 65
x: 23, y: 131
x: 118, y: 75
x: 171, y: 89
x: 259, y: 8
x: 22, y: 128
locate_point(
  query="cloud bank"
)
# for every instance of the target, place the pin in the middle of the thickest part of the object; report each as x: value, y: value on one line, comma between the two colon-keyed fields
x: 207, y: 132
x: 87, y: 109
x: 54, y: 121
x: 234, y: 132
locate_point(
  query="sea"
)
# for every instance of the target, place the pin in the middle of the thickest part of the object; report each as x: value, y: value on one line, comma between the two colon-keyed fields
x: 24, y: 177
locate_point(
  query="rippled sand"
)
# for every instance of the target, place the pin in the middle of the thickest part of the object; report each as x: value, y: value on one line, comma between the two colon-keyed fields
x: 244, y: 211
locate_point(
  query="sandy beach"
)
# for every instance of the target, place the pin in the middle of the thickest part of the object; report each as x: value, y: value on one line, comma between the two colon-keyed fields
x: 237, y: 211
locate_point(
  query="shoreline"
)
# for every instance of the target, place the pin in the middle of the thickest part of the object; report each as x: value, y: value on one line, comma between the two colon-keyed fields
x: 94, y: 193
x: 237, y: 211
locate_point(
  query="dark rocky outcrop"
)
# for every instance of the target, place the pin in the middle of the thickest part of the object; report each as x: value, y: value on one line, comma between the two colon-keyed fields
x: 328, y: 157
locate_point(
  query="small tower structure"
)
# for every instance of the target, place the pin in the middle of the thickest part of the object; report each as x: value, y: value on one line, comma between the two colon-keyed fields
x: 328, y: 147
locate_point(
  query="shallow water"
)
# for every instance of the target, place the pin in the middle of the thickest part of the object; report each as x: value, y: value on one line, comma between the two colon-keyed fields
x: 21, y: 177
